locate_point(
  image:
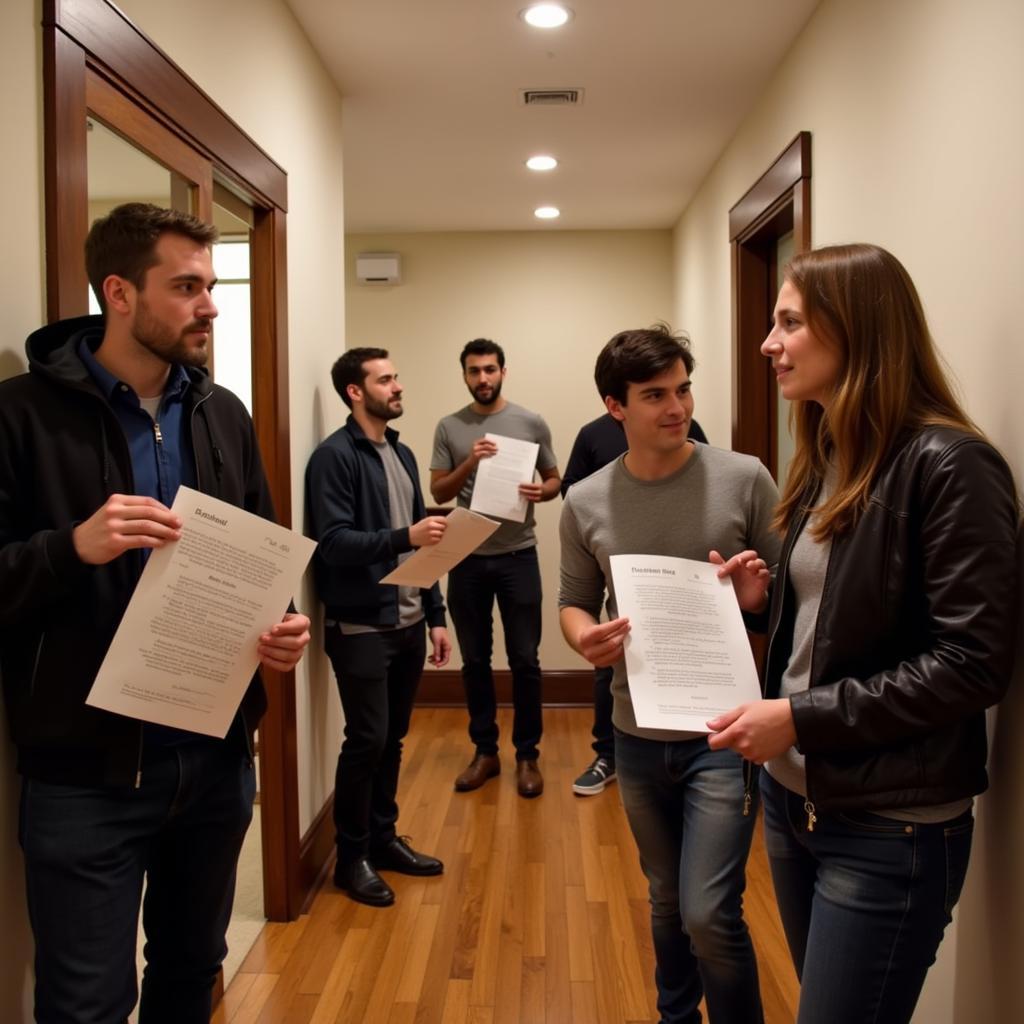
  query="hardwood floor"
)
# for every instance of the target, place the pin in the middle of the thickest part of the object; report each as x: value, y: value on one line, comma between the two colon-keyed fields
x: 541, y: 914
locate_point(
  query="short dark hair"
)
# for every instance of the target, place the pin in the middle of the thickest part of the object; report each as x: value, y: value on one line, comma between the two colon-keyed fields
x: 632, y: 357
x: 350, y: 369
x: 124, y: 242
x: 482, y: 347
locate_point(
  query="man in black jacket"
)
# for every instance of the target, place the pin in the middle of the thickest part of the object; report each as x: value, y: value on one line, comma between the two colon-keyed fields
x: 116, y: 412
x: 367, y: 514
x: 599, y: 442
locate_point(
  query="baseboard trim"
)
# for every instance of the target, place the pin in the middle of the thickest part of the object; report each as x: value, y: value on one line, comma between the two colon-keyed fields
x: 565, y: 688
x: 315, y: 850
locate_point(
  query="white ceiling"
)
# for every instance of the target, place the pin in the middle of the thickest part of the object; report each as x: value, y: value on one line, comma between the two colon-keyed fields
x: 436, y: 135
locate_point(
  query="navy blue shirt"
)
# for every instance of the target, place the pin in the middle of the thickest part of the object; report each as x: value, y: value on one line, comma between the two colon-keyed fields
x: 161, y: 449
x: 162, y: 460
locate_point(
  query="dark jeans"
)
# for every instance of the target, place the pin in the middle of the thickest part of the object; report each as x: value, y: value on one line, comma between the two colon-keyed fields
x: 603, y: 733
x: 473, y: 585
x: 685, y: 803
x: 864, y: 901
x: 377, y: 677
x: 86, y: 852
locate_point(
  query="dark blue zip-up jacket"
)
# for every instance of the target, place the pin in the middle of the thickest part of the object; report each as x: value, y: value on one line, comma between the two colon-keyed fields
x: 350, y: 519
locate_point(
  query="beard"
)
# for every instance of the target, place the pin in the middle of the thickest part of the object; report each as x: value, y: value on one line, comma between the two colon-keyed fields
x: 153, y: 334
x: 489, y: 399
x: 382, y: 410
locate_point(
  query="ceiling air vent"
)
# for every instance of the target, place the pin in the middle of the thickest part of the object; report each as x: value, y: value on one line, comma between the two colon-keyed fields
x: 551, y: 97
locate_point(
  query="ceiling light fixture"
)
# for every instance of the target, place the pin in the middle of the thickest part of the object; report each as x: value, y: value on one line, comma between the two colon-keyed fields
x: 547, y: 212
x: 546, y: 15
x: 542, y: 163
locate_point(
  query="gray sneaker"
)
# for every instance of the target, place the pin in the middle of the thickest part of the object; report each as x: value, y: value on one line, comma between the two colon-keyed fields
x: 595, y: 778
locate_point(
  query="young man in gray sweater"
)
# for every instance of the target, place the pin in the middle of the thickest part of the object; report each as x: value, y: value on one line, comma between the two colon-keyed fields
x: 690, y: 809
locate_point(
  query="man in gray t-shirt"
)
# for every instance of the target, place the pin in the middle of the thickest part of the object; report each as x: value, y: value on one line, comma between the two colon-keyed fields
x: 503, y: 568
x: 690, y: 809
x: 367, y: 514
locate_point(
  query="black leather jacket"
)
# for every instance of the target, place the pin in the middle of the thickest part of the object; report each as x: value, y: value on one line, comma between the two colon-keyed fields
x: 915, y: 633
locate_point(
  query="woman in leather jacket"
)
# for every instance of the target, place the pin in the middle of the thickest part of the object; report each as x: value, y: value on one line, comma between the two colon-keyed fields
x: 891, y: 627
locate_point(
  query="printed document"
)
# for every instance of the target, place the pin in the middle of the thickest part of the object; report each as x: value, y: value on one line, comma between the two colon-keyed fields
x: 464, y: 533
x: 688, y: 657
x: 186, y: 647
x: 496, y: 488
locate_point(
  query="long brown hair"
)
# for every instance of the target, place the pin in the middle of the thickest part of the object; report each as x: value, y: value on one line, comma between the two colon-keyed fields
x: 861, y: 300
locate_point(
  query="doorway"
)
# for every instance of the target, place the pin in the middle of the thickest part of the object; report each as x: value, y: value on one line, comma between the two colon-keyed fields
x: 767, y: 227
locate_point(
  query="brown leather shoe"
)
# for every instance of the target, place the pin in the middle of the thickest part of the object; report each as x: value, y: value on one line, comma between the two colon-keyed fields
x: 477, y: 772
x: 529, y: 780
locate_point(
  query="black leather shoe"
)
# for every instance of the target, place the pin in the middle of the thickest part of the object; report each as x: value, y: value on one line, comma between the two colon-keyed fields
x: 359, y: 879
x: 398, y: 855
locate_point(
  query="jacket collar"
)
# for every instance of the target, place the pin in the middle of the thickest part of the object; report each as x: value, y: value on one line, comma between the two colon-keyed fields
x: 359, y: 435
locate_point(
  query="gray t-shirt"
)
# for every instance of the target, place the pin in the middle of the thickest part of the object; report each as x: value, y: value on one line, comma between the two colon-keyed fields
x: 718, y: 500
x: 453, y: 442
x: 400, y: 497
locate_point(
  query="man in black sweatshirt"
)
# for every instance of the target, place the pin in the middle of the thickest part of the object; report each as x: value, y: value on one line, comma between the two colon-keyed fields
x: 114, y: 413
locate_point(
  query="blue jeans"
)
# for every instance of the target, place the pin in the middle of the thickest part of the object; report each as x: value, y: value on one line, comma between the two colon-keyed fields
x: 474, y: 584
x: 377, y: 676
x: 685, y: 808
x: 87, y: 850
x: 864, y: 902
x: 602, y: 731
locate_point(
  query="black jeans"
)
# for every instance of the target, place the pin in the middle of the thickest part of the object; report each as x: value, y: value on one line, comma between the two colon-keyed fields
x: 603, y: 733
x: 86, y: 851
x: 377, y: 677
x: 473, y: 585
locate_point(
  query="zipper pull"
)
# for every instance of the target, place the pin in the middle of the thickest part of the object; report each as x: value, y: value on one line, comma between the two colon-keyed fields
x: 747, y: 800
x: 156, y: 433
x: 811, y: 816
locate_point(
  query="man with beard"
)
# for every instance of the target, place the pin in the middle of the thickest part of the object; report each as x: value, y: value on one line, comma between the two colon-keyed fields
x: 504, y: 567
x: 114, y: 413
x: 366, y: 511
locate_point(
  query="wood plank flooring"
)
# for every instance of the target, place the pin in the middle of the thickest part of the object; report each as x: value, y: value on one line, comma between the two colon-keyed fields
x: 541, y: 914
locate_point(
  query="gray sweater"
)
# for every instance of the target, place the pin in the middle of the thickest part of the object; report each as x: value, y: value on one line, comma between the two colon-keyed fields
x: 719, y: 500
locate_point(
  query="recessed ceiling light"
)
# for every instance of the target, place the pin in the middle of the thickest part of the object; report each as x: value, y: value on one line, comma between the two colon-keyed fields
x: 546, y: 15
x: 547, y: 212
x: 542, y: 163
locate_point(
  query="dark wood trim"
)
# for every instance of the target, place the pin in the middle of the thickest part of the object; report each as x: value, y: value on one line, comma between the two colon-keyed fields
x: 562, y: 688
x: 792, y: 165
x: 66, y: 176
x: 270, y: 355
x: 778, y: 202
x: 316, y: 850
x: 110, y: 39
x: 279, y: 805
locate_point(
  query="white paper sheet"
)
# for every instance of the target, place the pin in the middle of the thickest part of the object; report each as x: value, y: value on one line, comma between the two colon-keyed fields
x: 496, y: 487
x: 688, y: 657
x: 185, y: 650
x: 464, y: 533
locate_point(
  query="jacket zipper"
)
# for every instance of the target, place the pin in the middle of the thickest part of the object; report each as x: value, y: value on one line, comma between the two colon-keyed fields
x: 192, y: 431
x: 780, y: 580
x: 138, y: 762
x: 35, y: 664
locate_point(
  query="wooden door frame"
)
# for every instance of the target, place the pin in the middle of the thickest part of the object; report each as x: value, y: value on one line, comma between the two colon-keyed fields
x: 83, y: 38
x: 778, y: 202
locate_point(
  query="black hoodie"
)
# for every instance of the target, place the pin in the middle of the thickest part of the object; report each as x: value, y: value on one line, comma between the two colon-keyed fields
x: 62, y: 454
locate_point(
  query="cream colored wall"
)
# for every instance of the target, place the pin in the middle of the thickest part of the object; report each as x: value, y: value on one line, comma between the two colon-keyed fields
x: 550, y: 299
x: 284, y: 99
x: 915, y: 113
x: 21, y: 286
